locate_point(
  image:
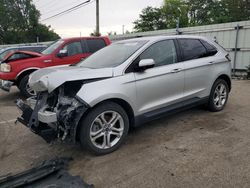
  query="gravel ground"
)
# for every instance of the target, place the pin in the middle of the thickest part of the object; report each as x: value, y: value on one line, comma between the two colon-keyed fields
x: 195, y: 148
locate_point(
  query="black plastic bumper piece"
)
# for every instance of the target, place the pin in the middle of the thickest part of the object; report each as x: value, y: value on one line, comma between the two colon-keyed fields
x: 51, y: 173
x: 46, y: 132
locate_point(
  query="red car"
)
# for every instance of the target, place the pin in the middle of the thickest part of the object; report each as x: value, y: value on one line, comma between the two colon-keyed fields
x: 17, y: 66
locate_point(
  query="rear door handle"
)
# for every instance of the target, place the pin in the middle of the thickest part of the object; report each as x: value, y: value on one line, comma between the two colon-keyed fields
x: 176, y: 70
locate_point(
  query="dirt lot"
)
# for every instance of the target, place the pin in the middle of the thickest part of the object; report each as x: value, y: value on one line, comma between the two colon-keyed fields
x: 195, y: 148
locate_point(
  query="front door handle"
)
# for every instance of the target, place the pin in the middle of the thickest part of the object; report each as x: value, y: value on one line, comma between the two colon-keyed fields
x: 176, y: 70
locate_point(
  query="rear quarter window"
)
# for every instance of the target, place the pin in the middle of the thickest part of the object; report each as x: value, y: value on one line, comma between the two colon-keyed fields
x: 211, y: 50
x: 95, y: 44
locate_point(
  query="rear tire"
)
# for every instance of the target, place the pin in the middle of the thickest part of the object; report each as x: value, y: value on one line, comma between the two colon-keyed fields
x: 218, y: 96
x: 25, y: 90
x: 104, y: 128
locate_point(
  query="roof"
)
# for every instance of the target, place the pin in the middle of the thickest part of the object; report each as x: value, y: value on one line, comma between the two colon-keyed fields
x: 77, y: 38
x: 156, y: 38
x: 14, y: 47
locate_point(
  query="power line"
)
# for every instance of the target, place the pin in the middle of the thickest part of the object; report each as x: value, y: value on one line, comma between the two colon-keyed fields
x: 69, y: 10
x: 49, y: 4
x: 59, y: 8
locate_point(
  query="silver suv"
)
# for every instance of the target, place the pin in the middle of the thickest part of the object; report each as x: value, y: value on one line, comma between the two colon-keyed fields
x: 125, y: 85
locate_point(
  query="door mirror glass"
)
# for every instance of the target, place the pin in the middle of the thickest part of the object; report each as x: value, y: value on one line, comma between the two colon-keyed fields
x: 146, y: 64
x: 62, y: 53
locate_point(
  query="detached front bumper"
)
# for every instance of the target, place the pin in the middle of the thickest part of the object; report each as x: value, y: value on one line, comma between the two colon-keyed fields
x: 6, y: 85
x: 61, y: 122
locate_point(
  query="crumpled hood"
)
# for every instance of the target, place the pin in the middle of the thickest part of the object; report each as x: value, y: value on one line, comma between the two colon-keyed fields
x: 32, y: 54
x: 50, y: 78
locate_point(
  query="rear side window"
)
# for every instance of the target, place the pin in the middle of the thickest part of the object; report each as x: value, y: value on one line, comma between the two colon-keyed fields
x: 95, y: 44
x: 192, y: 49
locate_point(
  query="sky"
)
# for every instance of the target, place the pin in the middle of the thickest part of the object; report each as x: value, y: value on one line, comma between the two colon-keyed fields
x: 113, y: 15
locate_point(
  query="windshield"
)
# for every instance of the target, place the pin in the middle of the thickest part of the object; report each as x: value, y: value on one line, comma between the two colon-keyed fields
x: 4, y: 52
x: 52, y: 47
x: 112, y: 56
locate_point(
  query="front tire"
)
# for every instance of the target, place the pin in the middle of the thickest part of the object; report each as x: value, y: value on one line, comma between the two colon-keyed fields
x: 218, y: 96
x: 104, y: 128
x: 24, y: 88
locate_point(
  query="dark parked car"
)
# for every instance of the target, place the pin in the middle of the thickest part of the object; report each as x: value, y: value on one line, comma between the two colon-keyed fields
x: 36, y: 48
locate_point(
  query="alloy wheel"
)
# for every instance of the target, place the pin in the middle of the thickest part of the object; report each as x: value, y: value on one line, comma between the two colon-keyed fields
x: 106, y: 130
x: 220, y: 95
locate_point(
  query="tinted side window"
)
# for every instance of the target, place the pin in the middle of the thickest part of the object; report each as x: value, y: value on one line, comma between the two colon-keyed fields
x: 19, y: 56
x: 210, y: 48
x: 73, y: 48
x: 192, y: 49
x: 95, y: 44
x: 163, y: 53
x: 207, y: 45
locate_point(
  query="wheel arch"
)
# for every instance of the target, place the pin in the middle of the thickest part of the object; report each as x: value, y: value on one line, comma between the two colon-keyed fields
x: 227, y: 79
x: 124, y: 104
x: 25, y: 72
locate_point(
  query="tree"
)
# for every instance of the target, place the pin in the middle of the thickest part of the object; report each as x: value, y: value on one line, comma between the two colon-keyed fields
x: 206, y: 12
x: 150, y: 19
x: 237, y: 10
x: 19, y: 23
x: 218, y: 11
x: 173, y: 9
x: 192, y: 13
x: 164, y: 17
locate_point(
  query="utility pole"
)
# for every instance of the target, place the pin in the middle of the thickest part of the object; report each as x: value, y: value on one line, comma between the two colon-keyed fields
x: 97, y: 19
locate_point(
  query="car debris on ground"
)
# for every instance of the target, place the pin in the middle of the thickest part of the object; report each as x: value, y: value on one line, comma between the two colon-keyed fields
x: 50, y: 173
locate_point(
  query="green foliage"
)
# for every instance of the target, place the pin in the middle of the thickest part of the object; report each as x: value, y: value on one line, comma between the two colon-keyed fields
x: 174, y: 9
x: 19, y: 23
x: 150, y: 19
x: 192, y: 13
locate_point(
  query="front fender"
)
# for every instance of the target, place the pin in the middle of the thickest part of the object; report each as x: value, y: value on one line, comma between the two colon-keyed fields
x: 122, y: 87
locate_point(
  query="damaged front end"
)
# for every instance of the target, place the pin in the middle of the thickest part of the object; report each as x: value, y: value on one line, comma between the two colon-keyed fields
x: 54, y: 115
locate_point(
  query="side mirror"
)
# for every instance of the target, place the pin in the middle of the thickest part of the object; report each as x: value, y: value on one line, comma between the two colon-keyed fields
x: 62, y: 53
x: 146, y: 64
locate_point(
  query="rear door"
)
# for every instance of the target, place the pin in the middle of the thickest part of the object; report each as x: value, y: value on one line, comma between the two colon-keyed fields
x: 198, y: 67
x: 162, y: 85
x: 75, y: 53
